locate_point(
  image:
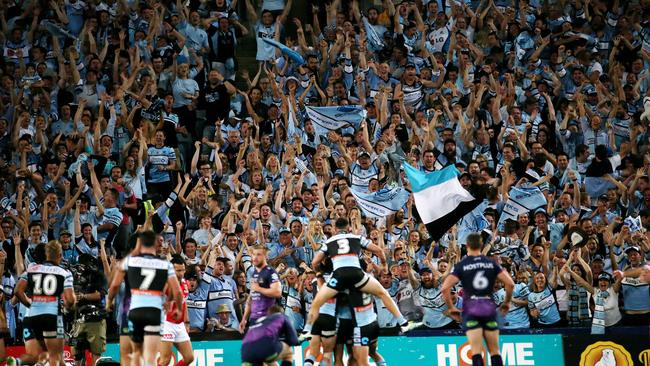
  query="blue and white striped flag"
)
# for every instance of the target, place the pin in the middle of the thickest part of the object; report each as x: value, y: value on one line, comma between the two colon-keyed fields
x: 375, y: 41
x: 521, y: 200
x: 326, y: 119
x: 382, y: 203
x: 440, y: 199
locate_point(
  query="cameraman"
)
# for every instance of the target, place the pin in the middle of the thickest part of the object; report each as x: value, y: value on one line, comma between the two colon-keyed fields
x: 89, y: 330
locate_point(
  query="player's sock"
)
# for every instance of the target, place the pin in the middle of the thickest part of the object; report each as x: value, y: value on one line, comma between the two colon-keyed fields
x: 477, y: 360
x: 380, y: 363
x: 309, y: 360
x: 181, y: 363
x: 286, y: 363
x: 402, y: 320
x: 307, y: 328
x: 496, y: 360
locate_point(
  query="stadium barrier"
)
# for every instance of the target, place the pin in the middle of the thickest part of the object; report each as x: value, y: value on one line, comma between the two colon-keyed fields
x: 626, y: 346
x: 517, y: 350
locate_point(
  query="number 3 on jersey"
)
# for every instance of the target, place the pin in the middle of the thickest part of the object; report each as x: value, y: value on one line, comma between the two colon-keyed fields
x: 344, y: 246
x: 480, y: 282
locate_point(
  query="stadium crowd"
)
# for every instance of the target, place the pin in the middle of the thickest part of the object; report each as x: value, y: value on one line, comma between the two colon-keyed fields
x: 118, y: 116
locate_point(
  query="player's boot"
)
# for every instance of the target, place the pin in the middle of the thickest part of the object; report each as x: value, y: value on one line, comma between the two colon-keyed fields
x: 408, y: 326
x: 11, y: 361
x: 304, y: 336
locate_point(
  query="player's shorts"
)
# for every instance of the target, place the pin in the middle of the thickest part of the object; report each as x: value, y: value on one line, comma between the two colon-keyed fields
x: 480, y: 313
x: 174, y: 332
x: 324, y: 326
x: 345, y: 331
x: 44, y: 326
x: 261, y: 351
x: 144, y: 321
x: 366, y: 335
x: 345, y: 278
x: 94, y: 333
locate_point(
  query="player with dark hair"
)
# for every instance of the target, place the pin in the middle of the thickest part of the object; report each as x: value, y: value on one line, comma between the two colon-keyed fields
x: 477, y: 274
x: 344, y: 249
x: 175, y: 331
x: 268, y: 339
x: 147, y: 276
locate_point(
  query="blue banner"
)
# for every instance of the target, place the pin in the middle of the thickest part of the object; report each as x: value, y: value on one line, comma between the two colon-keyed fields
x: 516, y: 350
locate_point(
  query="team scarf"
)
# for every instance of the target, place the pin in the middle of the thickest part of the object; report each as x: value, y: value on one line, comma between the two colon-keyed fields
x: 598, y: 322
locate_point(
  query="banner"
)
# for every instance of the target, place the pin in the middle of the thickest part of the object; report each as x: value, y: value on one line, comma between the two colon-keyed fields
x: 521, y: 200
x: 326, y: 119
x: 607, y: 350
x: 516, y: 350
x: 382, y: 203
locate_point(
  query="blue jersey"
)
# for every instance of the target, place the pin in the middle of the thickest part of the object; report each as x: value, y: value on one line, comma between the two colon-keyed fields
x: 147, y: 276
x: 433, y: 305
x: 385, y: 318
x: 636, y: 294
x: 477, y: 275
x: 197, y: 308
x: 159, y: 157
x: 364, y: 310
x: 292, y: 302
x: 220, y: 292
x: 517, y: 317
x: 46, y: 283
x: 545, y: 302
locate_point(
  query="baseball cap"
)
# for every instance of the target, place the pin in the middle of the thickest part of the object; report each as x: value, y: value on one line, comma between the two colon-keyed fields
x: 605, y: 276
x: 223, y: 308
x: 603, y: 197
x: 631, y: 248
x: 339, y: 172
x: 425, y: 269
x: 284, y: 229
x: 362, y: 153
x: 597, y: 257
x: 64, y: 232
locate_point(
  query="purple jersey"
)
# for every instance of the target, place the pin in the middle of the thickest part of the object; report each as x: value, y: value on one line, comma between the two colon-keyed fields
x: 260, y: 304
x: 477, y: 274
x: 271, y: 329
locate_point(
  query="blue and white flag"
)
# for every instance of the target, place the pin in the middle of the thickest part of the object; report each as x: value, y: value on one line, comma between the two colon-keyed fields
x: 292, y: 128
x: 326, y: 119
x: 375, y: 40
x: 439, y: 198
x: 596, y: 186
x: 521, y: 200
x: 293, y: 55
x: 382, y: 203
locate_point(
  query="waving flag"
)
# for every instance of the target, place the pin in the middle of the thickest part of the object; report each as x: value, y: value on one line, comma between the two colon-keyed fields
x: 374, y: 39
x: 521, y: 200
x: 327, y: 119
x: 293, y: 55
x: 382, y: 203
x: 440, y: 199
